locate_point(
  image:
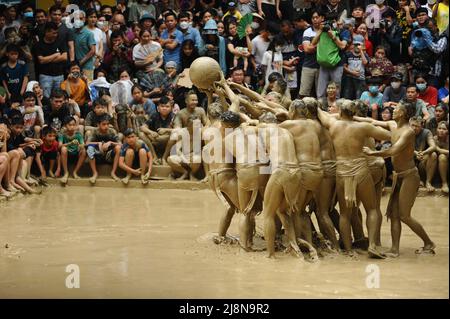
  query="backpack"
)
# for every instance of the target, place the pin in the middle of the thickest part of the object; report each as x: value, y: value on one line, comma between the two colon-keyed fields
x: 327, y: 51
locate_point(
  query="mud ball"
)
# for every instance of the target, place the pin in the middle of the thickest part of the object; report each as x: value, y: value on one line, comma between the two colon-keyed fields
x: 204, y: 72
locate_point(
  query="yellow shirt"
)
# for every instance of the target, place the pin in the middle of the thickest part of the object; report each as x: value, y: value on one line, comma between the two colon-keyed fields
x: 236, y: 14
x: 77, y: 91
x: 442, y: 17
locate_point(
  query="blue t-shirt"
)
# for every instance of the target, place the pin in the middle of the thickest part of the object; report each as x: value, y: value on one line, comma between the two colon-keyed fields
x: 83, y: 40
x: 138, y: 146
x: 173, y: 55
x: 14, y: 76
x: 149, y: 107
x: 369, y: 99
x: 442, y: 93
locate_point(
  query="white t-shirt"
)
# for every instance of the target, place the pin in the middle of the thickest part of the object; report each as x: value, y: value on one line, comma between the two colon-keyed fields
x: 272, y: 66
x: 259, y: 47
x: 98, y: 36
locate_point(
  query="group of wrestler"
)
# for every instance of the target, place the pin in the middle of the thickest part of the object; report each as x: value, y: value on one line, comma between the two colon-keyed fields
x: 322, y: 159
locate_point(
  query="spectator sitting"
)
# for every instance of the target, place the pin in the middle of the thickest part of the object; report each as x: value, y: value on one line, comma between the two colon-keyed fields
x: 394, y: 92
x: 48, y: 154
x: 156, y: 131
x: 139, y: 99
x: 425, y: 157
x: 147, y: 54
x: 373, y: 99
x: 427, y: 93
x: 103, y: 144
x: 135, y: 153
x: 379, y: 65
x: 57, y: 111
x: 71, y: 144
x: 441, y: 139
x: 188, y: 54
x: 443, y: 92
x: 76, y: 86
x: 91, y: 121
x: 440, y: 115
x: 420, y: 106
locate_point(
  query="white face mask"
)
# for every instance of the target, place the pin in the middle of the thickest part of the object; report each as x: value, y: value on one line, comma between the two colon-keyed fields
x: 395, y: 85
x: 255, y: 25
x: 184, y: 25
x: 78, y: 24
x: 379, y: 2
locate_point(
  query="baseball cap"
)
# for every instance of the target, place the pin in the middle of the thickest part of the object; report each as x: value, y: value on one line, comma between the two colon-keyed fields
x: 358, y: 39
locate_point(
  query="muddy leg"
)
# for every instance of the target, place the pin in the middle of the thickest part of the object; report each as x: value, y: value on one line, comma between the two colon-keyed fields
x: 443, y: 171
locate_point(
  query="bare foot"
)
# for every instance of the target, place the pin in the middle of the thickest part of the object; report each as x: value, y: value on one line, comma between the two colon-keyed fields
x: 205, y: 180
x: 75, y: 175
x: 58, y: 173
x: 183, y: 177
x: 31, y: 181
x: 164, y: 162
x: 227, y: 239
x: 373, y: 253
x: 144, y: 179
x: 427, y: 250
x: 115, y: 177
x: 10, y: 188
x: 444, y: 188
x: 5, y: 193
x: 51, y: 174
x: 17, y: 186
x: 35, y: 191
x: 126, y: 180
x: 65, y: 178
x: 429, y: 187
x: 391, y: 253
x: 350, y: 254
x: 93, y: 179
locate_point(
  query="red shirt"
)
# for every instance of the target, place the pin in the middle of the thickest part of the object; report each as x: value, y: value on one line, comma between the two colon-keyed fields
x: 430, y: 95
x: 49, y: 148
x: 369, y: 48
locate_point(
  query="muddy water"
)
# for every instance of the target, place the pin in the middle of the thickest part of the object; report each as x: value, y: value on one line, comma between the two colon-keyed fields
x: 156, y: 244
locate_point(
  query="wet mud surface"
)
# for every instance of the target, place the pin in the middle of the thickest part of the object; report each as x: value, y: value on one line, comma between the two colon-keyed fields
x: 143, y: 243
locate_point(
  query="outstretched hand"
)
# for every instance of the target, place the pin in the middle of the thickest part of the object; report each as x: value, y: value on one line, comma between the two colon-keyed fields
x: 368, y: 151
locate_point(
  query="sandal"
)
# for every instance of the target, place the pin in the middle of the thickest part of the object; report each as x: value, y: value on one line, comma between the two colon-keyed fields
x: 425, y: 251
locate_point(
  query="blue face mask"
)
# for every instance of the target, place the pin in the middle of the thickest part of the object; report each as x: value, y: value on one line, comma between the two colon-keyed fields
x: 421, y: 86
x: 28, y: 14
x: 373, y: 89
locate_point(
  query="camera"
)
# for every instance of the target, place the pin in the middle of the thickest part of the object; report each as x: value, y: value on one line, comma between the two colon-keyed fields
x: 383, y: 24
x: 327, y: 26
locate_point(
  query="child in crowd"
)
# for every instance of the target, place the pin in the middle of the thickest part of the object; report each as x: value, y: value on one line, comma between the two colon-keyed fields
x: 14, y: 73
x: 103, y: 145
x: 33, y: 115
x: 71, y: 144
x: 135, y: 153
x: 92, y: 119
x: 441, y: 139
x: 76, y: 86
x: 48, y: 154
x: 21, y: 152
x: 4, y: 162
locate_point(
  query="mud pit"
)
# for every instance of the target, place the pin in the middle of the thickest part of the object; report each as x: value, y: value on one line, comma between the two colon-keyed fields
x: 133, y: 244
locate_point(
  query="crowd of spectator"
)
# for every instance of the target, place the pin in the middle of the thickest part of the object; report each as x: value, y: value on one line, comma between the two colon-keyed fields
x: 108, y: 83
